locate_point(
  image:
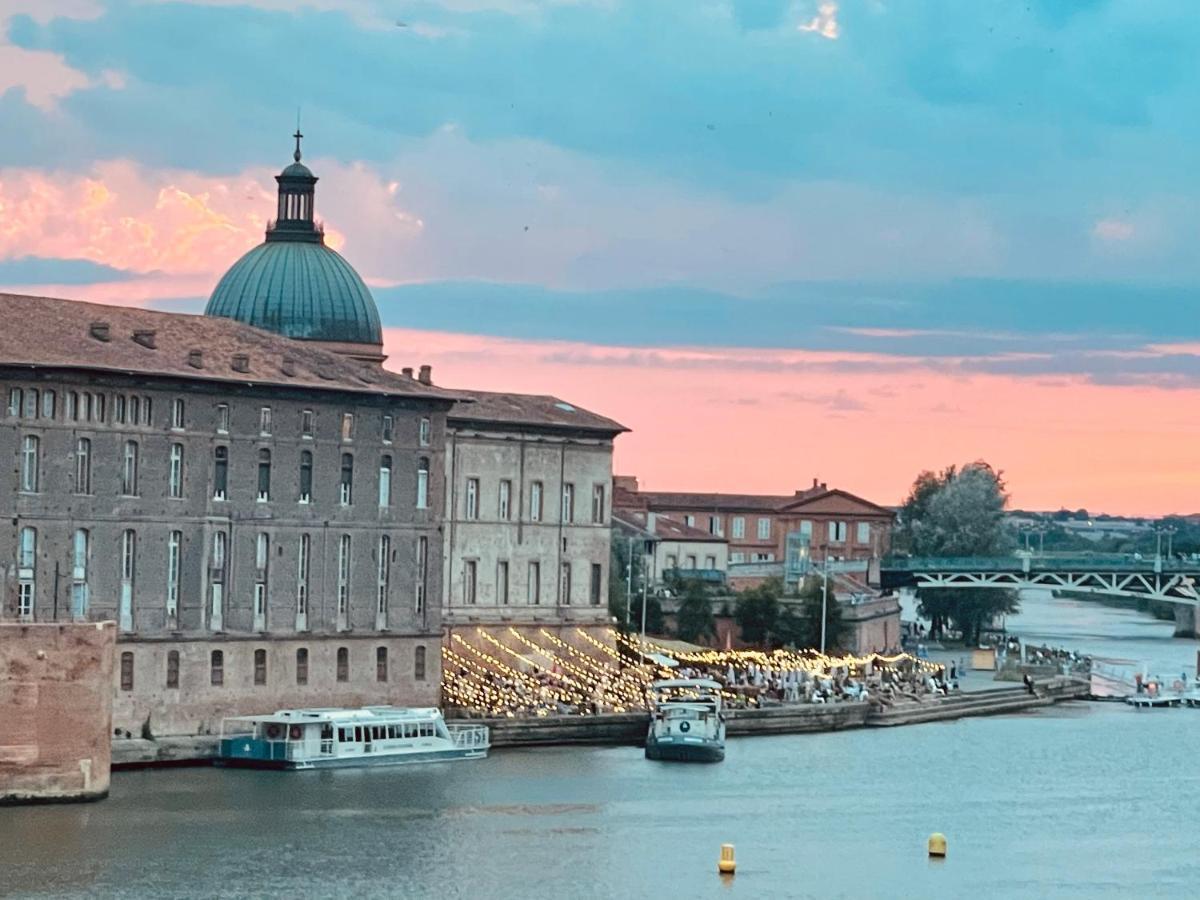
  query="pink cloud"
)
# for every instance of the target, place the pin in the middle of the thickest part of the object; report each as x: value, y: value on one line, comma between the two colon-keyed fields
x: 772, y: 427
x: 824, y: 23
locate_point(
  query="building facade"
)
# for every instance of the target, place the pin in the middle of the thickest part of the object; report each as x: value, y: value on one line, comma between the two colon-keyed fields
x: 528, y: 506
x: 676, y: 550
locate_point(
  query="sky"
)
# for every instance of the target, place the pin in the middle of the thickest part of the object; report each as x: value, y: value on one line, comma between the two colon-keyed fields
x: 778, y: 239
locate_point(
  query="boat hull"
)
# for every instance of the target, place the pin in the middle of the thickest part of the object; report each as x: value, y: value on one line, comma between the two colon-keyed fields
x: 353, y: 762
x: 685, y: 751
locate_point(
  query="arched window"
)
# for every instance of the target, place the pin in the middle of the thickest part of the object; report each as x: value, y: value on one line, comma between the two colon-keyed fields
x: 30, y: 464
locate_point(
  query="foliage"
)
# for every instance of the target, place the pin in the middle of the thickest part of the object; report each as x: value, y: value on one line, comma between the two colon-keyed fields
x: 812, y: 596
x: 757, y: 612
x: 618, y: 603
x: 959, y: 512
x: 694, y: 618
x: 654, y: 615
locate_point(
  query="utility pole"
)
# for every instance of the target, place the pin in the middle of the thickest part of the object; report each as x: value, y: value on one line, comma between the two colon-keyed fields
x: 824, y: 595
x: 629, y: 580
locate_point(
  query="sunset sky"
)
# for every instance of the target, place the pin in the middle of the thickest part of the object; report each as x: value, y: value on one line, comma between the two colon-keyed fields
x: 778, y: 239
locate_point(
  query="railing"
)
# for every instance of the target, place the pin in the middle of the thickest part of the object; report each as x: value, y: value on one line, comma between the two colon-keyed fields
x: 1055, y: 562
x: 468, y: 737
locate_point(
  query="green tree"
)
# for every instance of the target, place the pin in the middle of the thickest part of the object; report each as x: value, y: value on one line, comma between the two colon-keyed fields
x: 619, y: 603
x: 694, y: 618
x: 959, y: 512
x: 654, y: 615
x: 757, y: 612
x: 812, y: 596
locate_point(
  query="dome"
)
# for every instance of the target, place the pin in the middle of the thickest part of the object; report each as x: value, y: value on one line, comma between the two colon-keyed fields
x: 293, y: 284
x: 300, y: 289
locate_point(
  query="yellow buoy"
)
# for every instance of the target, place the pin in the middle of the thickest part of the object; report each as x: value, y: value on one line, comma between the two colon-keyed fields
x: 937, y: 844
x: 726, y: 864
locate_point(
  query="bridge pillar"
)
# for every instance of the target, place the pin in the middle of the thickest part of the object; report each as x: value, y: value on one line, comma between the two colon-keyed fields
x: 1185, y: 621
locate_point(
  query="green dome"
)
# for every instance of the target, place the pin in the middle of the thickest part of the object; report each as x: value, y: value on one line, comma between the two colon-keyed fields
x: 300, y: 289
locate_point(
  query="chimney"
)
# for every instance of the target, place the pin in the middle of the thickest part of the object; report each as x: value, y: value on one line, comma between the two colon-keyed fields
x: 145, y: 337
x: 626, y: 483
x: 241, y: 362
x: 288, y: 366
x: 407, y: 371
x: 99, y: 330
x: 196, y: 359
x: 426, y: 375
x: 814, y: 484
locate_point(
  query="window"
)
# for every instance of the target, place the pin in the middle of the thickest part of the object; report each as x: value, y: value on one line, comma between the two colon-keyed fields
x: 128, y: 567
x: 502, y: 582
x: 806, y: 531
x: 220, y: 472
x: 737, y: 557
x: 264, y: 420
x: 27, y: 552
x: 597, y: 504
x: 716, y: 526
x: 472, y: 500
x: 175, y: 476
x: 262, y: 556
x: 99, y: 403
x: 424, y: 432
x: 73, y: 406
x: 535, y: 502
x: 146, y: 415
x: 216, y: 668
x: 346, y: 490
x: 381, y: 664
x: 837, y: 532
x: 135, y: 408
x: 385, y: 482
x: 174, y: 549
x: 764, y: 557
x: 505, y: 502
x: 388, y: 427
x: 470, y: 568
x: 129, y: 471
x: 564, y: 588
x: 83, y: 466
x: 173, y: 669
x: 26, y: 572
x: 306, y: 424
x: 764, y: 529
x: 260, y: 666
x: 343, y: 664
x: 80, y: 553
x: 739, y: 527
x: 422, y: 570
x: 14, y: 402
x: 306, y: 467
x: 689, y: 521
x: 672, y: 561
x: 264, y: 475
x: 48, y: 405
x: 710, y: 562
x: 347, y: 426
x: 30, y: 464
x: 303, y: 557
x: 222, y: 418
x: 343, y: 582
x: 419, y: 663
x: 533, y: 587
x: 423, y: 483
x: 127, y: 671
x: 177, y: 413
x: 691, y: 561
x: 31, y: 403
x: 302, y: 666
x: 568, y: 503
x: 597, y: 579
x: 862, y: 533
x: 383, y: 578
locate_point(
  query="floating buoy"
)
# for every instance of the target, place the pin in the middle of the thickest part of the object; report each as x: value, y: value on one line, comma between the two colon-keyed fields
x: 726, y: 864
x: 937, y: 844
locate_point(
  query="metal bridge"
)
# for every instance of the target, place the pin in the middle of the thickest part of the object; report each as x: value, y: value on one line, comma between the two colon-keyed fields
x: 1157, y: 578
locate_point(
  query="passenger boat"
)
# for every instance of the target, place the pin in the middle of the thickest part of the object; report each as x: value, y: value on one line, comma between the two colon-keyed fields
x: 686, y: 722
x: 337, y: 738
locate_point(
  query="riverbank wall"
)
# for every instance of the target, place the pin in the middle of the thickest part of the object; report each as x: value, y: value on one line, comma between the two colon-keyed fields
x: 56, y: 711
x: 629, y: 729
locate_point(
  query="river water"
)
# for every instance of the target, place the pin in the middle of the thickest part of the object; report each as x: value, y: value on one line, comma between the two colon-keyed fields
x: 1082, y: 800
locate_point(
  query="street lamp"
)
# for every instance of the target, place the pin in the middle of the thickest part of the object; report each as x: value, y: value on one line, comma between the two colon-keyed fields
x: 824, y: 593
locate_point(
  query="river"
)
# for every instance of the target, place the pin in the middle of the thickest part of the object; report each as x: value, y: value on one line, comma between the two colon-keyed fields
x: 1082, y: 800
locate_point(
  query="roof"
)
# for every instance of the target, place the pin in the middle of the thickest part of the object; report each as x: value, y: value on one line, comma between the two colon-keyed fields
x: 539, y: 410
x: 301, y: 289
x: 666, y: 528
x: 751, y: 502
x: 55, y: 333
x: 829, y: 500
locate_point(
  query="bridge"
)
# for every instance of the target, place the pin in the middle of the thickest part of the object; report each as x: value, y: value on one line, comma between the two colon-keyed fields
x: 1166, y: 580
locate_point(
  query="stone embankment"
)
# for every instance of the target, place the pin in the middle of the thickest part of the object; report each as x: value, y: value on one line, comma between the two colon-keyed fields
x: 630, y: 728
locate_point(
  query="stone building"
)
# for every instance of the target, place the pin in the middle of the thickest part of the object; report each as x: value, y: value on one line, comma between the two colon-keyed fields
x: 528, y: 513
x: 675, y: 549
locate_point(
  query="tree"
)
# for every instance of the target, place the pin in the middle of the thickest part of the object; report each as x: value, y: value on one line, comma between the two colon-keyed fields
x: 654, y: 615
x: 959, y: 513
x: 812, y: 597
x: 757, y: 611
x: 618, y: 602
x: 694, y: 618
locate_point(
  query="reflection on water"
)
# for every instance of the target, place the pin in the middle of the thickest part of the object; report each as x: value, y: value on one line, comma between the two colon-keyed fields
x: 1082, y: 801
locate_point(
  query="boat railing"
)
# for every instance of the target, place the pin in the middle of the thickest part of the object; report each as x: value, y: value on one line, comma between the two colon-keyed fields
x: 466, y: 737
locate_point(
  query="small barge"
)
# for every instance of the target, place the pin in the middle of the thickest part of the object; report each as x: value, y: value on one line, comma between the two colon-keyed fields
x: 686, y: 724
x: 337, y: 738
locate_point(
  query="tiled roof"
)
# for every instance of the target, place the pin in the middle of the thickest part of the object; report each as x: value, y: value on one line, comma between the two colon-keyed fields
x: 666, y: 528
x: 530, y: 409
x: 825, y: 497
x: 47, y: 332
x: 715, y: 502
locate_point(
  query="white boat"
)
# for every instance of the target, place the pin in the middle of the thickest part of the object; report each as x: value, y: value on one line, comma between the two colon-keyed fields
x: 686, y: 722
x: 336, y: 738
